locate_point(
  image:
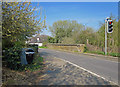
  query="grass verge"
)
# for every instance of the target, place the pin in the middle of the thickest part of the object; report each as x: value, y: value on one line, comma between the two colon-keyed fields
x: 42, y: 47
x: 102, y: 53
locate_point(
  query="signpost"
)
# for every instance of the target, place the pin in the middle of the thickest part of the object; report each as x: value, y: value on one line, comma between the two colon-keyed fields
x: 108, y: 29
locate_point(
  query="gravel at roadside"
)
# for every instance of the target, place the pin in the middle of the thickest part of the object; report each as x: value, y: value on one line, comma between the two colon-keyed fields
x: 59, y: 72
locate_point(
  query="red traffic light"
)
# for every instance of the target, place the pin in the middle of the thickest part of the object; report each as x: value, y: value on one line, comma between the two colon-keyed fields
x: 110, y: 22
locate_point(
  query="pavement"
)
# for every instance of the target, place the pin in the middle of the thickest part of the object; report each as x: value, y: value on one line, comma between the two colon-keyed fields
x: 104, y: 68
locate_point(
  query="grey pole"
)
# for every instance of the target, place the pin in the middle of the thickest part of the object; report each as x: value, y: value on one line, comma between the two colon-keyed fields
x: 106, y: 26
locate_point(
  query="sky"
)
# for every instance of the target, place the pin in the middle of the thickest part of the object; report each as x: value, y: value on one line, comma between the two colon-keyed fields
x: 87, y: 13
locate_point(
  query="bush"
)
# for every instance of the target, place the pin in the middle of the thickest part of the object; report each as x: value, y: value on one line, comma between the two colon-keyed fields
x: 85, y: 49
x: 11, y: 57
x: 114, y: 54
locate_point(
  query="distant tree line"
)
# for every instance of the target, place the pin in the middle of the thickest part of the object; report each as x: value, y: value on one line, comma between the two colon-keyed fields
x: 72, y: 32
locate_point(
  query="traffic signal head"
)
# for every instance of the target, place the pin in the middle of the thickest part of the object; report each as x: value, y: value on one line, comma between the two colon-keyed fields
x: 110, y: 26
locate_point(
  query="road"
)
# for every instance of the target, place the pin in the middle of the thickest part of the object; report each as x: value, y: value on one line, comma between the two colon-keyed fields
x: 105, y: 68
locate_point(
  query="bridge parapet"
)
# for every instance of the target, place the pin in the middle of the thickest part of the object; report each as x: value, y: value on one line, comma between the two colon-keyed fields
x: 67, y: 47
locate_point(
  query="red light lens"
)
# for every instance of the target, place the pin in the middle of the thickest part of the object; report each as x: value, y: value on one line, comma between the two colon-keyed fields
x: 110, y: 22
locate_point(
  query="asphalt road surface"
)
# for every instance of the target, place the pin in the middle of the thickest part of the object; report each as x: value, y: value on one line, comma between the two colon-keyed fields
x: 105, y: 68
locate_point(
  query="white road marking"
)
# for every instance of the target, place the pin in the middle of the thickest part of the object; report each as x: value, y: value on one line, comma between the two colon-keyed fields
x: 88, y: 71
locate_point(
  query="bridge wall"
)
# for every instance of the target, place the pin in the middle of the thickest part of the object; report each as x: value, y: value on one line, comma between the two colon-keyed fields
x: 67, y: 47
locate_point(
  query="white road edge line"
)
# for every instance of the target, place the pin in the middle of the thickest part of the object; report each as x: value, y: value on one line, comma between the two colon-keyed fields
x: 88, y: 71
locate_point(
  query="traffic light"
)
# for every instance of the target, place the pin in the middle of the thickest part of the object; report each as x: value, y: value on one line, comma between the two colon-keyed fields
x: 110, y: 26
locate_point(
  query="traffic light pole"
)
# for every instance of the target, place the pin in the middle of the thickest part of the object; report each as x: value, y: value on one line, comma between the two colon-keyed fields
x: 106, y: 27
x: 108, y: 22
